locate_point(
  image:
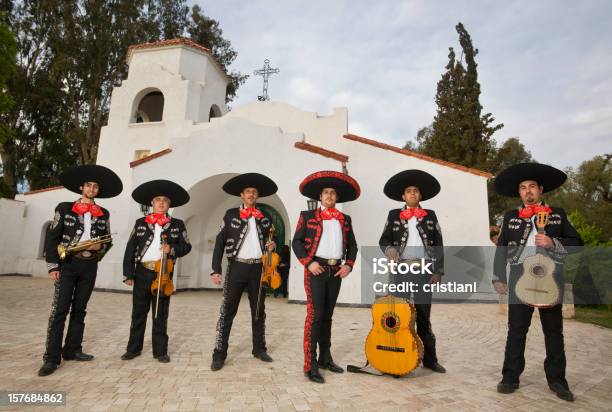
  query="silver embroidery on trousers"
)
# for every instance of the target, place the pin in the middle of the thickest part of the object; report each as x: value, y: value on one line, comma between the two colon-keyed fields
x: 221, y: 321
x: 52, y: 316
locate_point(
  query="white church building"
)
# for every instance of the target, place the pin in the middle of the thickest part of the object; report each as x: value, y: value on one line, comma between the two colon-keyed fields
x: 168, y: 120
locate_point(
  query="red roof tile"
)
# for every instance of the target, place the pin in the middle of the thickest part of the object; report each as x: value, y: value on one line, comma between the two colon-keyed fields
x: 417, y: 155
x: 321, y: 151
x: 179, y: 41
x: 46, y: 189
x: 150, y: 157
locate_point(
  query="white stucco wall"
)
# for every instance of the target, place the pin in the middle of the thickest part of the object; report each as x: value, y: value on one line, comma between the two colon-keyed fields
x: 11, y: 216
x: 318, y: 130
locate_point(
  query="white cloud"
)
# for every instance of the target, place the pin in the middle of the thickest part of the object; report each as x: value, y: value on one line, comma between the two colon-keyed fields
x: 543, y: 66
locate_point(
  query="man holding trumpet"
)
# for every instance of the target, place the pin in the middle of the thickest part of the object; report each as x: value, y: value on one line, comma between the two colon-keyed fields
x: 74, y: 274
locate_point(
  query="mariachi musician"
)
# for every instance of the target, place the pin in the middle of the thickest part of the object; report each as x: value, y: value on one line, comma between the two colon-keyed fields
x: 413, y: 233
x: 153, y: 236
x: 75, y: 275
x: 518, y: 239
x: 325, y: 244
x: 243, y: 237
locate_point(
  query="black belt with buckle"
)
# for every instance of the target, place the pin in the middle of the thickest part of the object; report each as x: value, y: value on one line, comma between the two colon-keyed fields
x: 327, y: 262
x: 86, y: 255
x: 247, y: 261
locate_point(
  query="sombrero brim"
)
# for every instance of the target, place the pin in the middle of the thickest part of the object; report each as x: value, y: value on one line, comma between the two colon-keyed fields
x: 264, y: 185
x: 397, y: 184
x: 507, y: 182
x: 146, y: 192
x: 109, y: 183
x: 346, y: 187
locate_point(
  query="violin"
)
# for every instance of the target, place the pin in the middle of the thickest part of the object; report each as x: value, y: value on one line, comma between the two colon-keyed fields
x: 269, y: 272
x: 163, y: 281
x: 271, y: 260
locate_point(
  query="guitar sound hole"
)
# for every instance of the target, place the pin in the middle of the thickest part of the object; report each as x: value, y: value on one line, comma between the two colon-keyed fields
x: 390, y: 322
x: 538, y: 271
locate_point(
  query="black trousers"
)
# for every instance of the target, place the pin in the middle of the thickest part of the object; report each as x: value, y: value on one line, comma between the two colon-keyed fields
x: 142, y: 301
x: 519, y: 320
x: 72, y: 292
x: 321, y: 296
x: 422, y: 304
x: 239, y: 276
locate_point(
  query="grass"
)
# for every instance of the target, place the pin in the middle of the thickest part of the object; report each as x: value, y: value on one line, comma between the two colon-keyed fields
x: 597, y: 314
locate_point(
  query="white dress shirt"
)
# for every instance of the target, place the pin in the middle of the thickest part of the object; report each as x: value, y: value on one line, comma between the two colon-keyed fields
x: 87, y: 227
x: 530, y: 246
x: 414, y: 245
x: 330, y: 244
x: 154, y: 251
x: 250, y: 248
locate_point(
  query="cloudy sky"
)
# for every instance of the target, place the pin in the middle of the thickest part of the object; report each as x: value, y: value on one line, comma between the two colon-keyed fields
x: 545, y: 67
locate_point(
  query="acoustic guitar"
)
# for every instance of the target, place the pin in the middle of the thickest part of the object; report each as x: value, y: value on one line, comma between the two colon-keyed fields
x: 537, y: 286
x: 393, y: 346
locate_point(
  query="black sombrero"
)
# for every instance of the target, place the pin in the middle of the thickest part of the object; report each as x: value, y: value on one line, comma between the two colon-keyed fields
x: 264, y: 185
x: 397, y: 184
x: 346, y: 187
x: 507, y: 181
x: 147, y: 191
x: 108, y: 181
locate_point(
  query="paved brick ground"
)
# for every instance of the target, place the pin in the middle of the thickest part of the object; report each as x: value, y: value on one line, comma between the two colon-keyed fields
x: 470, y: 345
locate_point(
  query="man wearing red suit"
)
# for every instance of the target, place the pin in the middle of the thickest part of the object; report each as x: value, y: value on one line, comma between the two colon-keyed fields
x: 325, y: 244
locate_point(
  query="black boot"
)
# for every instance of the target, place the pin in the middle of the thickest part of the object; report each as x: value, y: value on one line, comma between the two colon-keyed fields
x: 47, y: 369
x: 129, y: 355
x: 314, y: 375
x: 436, y: 367
x: 163, y: 359
x: 216, y: 364
x: 562, y: 391
x: 78, y: 356
x: 505, y: 387
x: 331, y: 366
x: 263, y: 356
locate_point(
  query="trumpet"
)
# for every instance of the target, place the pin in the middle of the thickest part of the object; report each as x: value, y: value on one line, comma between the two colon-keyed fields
x: 64, y: 251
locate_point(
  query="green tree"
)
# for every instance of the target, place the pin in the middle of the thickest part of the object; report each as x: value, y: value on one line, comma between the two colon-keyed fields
x: 422, y: 135
x: 8, y: 52
x: 588, y: 189
x: 460, y: 132
x: 70, y: 55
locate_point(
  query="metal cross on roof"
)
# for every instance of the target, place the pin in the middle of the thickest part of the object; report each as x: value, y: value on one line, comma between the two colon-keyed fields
x: 265, y: 72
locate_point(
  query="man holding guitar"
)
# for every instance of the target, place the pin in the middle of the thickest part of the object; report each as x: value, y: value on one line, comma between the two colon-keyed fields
x: 325, y: 244
x: 519, y: 240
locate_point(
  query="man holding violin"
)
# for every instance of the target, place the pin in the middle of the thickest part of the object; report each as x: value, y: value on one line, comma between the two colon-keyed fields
x: 325, y: 244
x: 242, y: 238
x: 75, y: 274
x: 153, y: 236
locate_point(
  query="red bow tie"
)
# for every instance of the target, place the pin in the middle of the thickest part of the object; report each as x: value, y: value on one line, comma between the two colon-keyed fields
x: 157, y: 218
x: 82, y: 208
x: 528, y: 211
x: 331, y: 213
x: 409, y: 212
x: 247, y: 212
